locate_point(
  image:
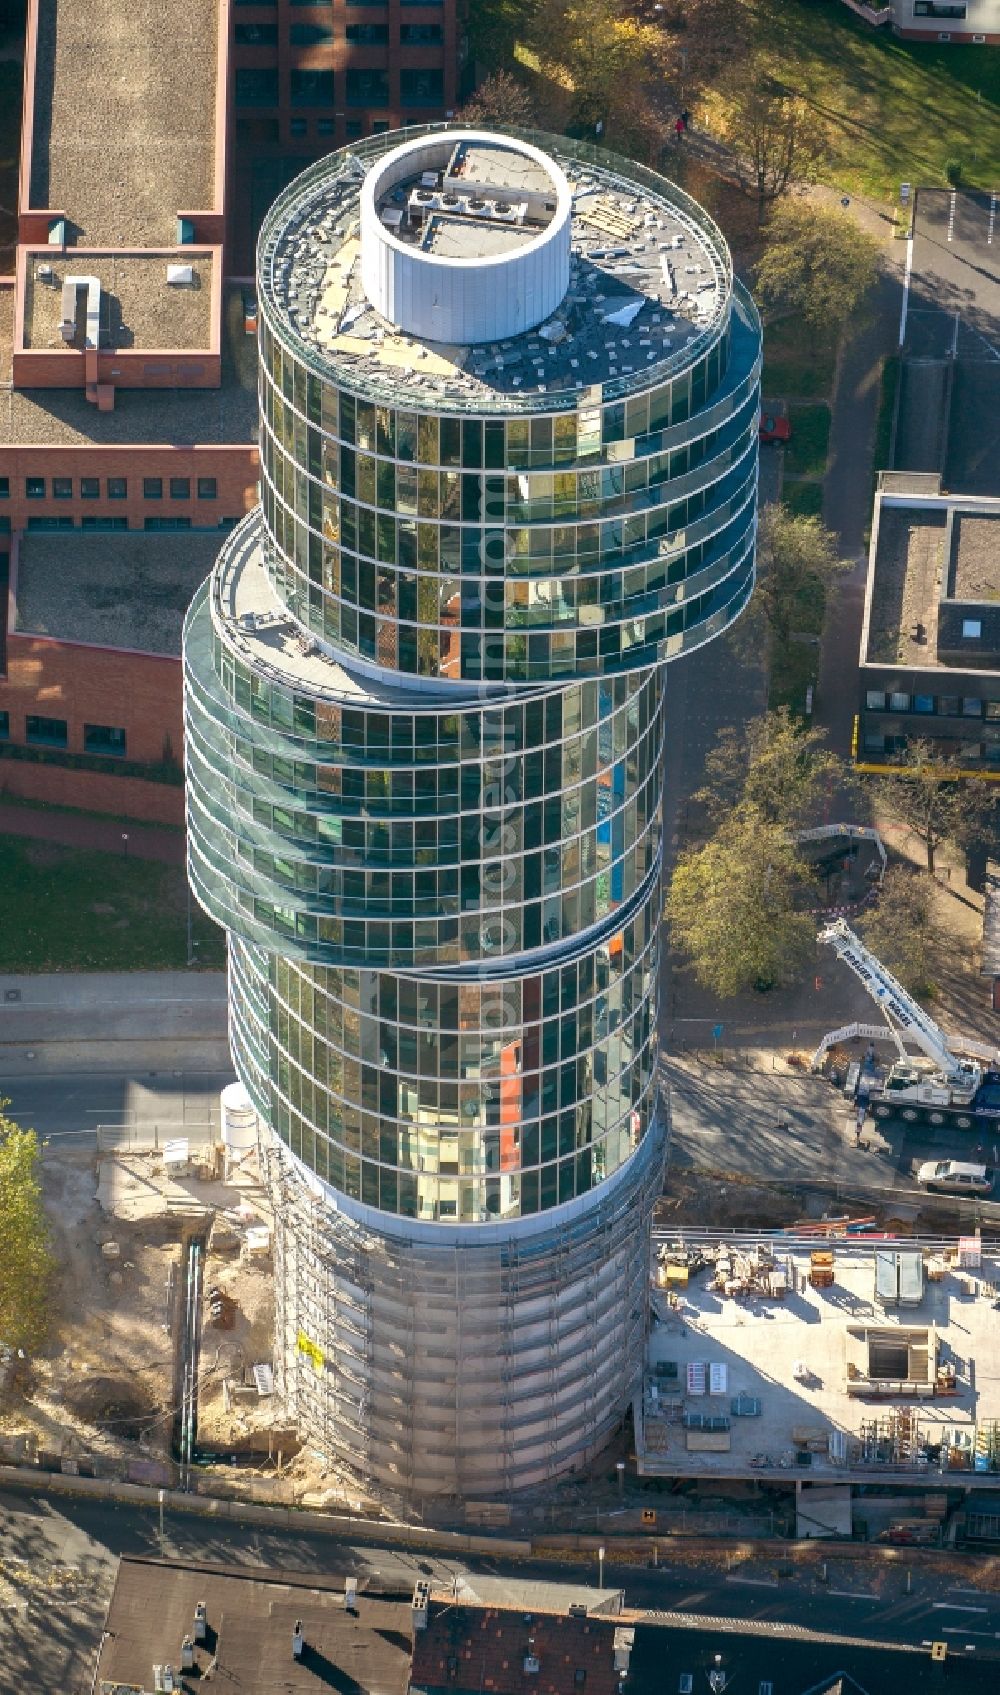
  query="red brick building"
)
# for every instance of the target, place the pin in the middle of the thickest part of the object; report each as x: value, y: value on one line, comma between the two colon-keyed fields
x: 128, y: 391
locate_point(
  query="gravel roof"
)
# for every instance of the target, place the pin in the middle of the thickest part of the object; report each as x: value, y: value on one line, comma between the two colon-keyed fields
x: 6, y: 332
x: 128, y: 589
x: 51, y: 417
x: 139, y: 308
x: 909, y: 568
x: 124, y: 131
x: 976, y: 555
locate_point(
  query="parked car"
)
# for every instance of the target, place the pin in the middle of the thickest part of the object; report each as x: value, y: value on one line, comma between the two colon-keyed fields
x: 952, y: 1177
x: 249, y: 312
x: 773, y: 429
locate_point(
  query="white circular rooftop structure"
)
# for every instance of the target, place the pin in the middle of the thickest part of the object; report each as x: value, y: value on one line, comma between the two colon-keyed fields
x: 465, y: 237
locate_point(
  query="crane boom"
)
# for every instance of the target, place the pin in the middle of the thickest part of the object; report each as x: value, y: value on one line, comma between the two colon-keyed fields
x: 899, y: 1007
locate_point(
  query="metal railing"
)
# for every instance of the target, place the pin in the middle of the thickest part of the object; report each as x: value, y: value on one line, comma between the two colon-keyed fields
x: 151, y: 1137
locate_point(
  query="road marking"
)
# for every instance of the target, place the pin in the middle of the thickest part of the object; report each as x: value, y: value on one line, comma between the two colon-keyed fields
x: 957, y: 1607
x: 993, y: 213
x: 906, y: 291
x: 852, y: 1594
x: 960, y: 1630
x: 755, y: 1582
x: 951, y: 213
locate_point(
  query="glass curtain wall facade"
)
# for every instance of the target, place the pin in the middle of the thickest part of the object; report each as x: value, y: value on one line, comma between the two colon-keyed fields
x: 426, y: 725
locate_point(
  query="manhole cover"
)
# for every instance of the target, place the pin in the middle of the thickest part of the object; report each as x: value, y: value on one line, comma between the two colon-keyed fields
x: 12, y: 994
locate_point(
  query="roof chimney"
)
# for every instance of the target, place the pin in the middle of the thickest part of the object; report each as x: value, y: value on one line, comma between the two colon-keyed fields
x: 624, y: 1641
x: 200, y: 1622
x: 350, y: 1594
x: 187, y: 1654
x: 298, y: 1640
x: 419, y: 1605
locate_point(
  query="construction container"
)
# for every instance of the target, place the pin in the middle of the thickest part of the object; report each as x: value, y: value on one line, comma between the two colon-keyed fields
x: 821, y: 1268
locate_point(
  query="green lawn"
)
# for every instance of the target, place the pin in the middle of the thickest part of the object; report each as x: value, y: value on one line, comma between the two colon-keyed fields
x: 795, y: 664
x: 61, y: 910
x: 806, y: 453
x: 798, y: 364
x: 804, y: 499
x: 897, y: 110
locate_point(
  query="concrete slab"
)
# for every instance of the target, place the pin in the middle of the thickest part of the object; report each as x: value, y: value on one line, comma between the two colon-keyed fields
x: 794, y: 1356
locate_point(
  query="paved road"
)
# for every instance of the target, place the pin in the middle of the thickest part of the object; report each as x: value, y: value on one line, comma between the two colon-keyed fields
x: 70, y: 1105
x: 58, y: 1560
x: 730, y: 1118
x: 118, y: 1022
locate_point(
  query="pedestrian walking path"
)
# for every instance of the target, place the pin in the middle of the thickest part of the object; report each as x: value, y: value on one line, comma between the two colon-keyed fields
x: 84, y: 830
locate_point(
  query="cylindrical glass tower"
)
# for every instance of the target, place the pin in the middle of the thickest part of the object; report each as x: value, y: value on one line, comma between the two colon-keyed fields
x: 509, y: 404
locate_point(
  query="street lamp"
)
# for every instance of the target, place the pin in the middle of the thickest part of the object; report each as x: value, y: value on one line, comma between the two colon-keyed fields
x: 125, y: 840
x: 620, y: 1468
x: 600, y: 1568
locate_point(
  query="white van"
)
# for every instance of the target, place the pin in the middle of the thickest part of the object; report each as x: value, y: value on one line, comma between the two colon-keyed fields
x: 951, y: 1177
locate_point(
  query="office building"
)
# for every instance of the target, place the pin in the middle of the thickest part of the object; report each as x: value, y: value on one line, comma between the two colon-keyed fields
x: 510, y: 396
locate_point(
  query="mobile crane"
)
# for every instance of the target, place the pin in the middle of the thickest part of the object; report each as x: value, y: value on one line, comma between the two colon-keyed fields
x: 958, y: 1080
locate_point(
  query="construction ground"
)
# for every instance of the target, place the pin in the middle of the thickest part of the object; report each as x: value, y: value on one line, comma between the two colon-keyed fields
x: 101, y: 1397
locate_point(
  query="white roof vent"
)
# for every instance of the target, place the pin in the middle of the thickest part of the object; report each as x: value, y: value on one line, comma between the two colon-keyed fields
x: 180, y: 276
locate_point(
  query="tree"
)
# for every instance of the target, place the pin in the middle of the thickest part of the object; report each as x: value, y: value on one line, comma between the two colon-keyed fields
x: 775, y: 764
x: 796, y: 563
x: 900, y: 929
x: 493, y: 29
x: 611, y: 62
x: 818, y: 264
x: 734, y: 907
x: 500, y: 100
x: 927, y: 795
x: 776, y: 138
x: 26, y: 1263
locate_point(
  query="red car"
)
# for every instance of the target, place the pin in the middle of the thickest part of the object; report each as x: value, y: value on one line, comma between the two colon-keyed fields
x: 773, y: 428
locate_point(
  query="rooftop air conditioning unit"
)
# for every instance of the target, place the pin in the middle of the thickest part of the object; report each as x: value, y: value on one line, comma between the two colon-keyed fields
x: 531, y: 1662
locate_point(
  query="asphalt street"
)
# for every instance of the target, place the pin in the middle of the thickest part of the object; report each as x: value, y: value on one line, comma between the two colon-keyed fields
x: 58, y: 1560
x: 790, y: 1127
x: 69, y: 1106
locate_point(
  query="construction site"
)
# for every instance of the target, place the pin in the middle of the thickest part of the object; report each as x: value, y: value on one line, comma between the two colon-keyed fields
x: 158, y: 1366
x: 847, y: 1359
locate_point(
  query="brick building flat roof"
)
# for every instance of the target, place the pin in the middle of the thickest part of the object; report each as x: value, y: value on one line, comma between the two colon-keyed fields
x: 124, y: 589
x: 250, y: 1621
x: 139, y: 308
x: 124, y: 118
x: 55, y: 417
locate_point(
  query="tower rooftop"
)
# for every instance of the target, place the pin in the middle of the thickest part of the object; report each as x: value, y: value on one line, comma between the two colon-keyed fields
x: 648, y: 276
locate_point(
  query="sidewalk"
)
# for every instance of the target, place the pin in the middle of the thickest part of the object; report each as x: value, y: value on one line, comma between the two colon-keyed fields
x: 111, y: 1007
x: 84, y: 830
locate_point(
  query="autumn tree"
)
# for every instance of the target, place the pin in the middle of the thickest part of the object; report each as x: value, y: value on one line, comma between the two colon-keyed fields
x: 26, y: 1264
x: 927, y: 794
x: 500, y: 100
x: 611, y: 62
x: 775, y: 764
x: 735, y: 906
x: 818, y: 264
x: 797, y: 561
x: 775, y: 137
x: 494, y: 28
x: 900, y: 929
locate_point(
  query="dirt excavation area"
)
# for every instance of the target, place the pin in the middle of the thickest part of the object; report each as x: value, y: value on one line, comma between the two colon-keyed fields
x: 102, y: 1394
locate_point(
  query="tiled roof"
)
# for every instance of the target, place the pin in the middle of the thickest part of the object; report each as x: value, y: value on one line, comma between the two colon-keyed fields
x: 493, y: 1650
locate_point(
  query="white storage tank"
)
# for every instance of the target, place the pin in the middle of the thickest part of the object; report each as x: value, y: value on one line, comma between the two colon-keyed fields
x: 239, y: 1120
